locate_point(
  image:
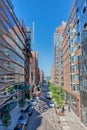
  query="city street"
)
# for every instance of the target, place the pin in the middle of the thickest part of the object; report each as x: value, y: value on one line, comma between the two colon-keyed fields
x: 43, y: 65
x: 43, y: 118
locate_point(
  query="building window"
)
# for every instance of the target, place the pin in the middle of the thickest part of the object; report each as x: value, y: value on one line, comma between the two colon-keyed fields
x: 78, y: 21
x: 84, y: 9
x: 77, y: 10
x: 78, y: 34
x: 85, y: 25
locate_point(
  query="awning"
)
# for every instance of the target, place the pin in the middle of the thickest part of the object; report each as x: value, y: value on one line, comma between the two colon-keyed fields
x: 26, y: 87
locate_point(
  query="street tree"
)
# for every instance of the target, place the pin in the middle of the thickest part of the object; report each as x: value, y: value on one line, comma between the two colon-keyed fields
x: 6, y: 120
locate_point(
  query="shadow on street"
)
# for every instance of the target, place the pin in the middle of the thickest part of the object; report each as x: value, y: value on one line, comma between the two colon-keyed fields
x: 35, y: 120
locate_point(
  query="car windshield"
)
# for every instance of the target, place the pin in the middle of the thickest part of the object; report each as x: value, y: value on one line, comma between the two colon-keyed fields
x: 51, y: 102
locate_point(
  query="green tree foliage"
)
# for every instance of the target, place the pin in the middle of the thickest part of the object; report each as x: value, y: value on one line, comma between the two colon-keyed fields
x: 10, y: 89
x: 57, y: 94
x: 6, y: 120
x: 21, y: 102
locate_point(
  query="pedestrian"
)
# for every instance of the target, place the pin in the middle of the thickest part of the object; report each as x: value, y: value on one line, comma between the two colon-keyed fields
x: 63, y: 109
x: 69, y: 108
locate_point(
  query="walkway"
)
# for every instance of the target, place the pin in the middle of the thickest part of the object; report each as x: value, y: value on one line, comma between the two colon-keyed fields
x: 71, y: 122
x: 14, y: 117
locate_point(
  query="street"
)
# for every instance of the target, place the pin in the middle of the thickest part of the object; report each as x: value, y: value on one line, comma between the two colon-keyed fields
x: 43, y: 117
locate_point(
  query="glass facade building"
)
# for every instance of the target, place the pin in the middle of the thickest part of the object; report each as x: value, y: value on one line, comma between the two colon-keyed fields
x: 71, y: 53
x: 74, y: 55
x: 12, y: 42
x: 12, y: 57
x: 81, y: 14
x: 58, y: 55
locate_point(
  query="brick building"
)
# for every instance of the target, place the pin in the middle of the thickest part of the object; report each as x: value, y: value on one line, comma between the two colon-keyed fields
x: 34, y: 70
x: 58, y: 56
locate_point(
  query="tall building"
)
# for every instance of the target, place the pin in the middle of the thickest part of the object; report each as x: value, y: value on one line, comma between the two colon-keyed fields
x: 13, y: 41
x: 71, y: 53
x: 81, y: 15
x: 83, y: 76
x: 74, y: 46
x: 58, y: 58
x: 41, y: 76
x: 11, y: 47
x: 71, y: 56
x: 34, y: 68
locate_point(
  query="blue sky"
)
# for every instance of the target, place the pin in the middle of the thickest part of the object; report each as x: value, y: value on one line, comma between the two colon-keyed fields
x: 47, y: 15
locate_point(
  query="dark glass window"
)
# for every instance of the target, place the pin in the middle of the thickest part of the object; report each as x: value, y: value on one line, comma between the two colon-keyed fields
x: 85, y: 25
x: 77, y: 10
x: 84, y: 9
x: 78, y: 34
x: 78, y: 21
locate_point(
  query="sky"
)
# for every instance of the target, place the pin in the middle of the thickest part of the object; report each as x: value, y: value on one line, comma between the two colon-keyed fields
x: 47, y: 15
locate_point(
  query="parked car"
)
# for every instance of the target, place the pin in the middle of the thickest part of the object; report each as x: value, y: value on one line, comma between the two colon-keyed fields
x: 23, y: 119
x: 48, y: 96
x: 51, y: 104
x: 20, y: 127
x: 33, y: 101
x: 30, y: 110
x: 48, y: 92
x: 25, y: 109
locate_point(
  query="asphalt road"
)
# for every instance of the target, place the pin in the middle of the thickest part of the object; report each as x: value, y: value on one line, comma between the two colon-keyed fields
x: 43, y: 117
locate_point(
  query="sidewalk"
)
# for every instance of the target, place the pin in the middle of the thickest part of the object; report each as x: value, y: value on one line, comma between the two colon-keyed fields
x: 71, y: 122
x: 14, y: 117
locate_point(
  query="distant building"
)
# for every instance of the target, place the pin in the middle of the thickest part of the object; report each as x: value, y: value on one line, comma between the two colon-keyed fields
x: 47, y: 78
x: 41, y: 76
x: 52, y: 75
x: 58, y: 56
x: 34, y: 71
